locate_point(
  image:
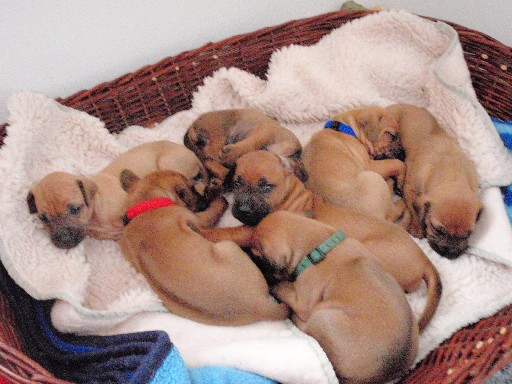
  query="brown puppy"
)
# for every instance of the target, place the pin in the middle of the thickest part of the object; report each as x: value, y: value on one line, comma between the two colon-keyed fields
x: 344, y: 299
x: 339, y: 167
x: 441, y: 186
x: 262, y: 184
x: 195, y: 278
x: 220, y: 137
x: 73, y: 206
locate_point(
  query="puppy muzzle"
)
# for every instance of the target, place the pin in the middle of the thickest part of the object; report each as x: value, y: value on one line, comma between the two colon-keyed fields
x: 390, y: 152
x: 67, y: 237
x: 249, y: 211
x: 449, y: 247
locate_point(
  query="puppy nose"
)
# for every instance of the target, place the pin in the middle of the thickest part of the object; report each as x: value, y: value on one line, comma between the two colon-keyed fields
x: 450, y: 252
x: 68, y: 237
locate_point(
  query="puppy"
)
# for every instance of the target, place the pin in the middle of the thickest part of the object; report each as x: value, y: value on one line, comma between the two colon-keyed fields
x: 72, y: 206
x: 441, y: 186
x: 262, y: 184
x: 210, y: 283
x: 344, y: 299
x: 218, y: 138
x: 339, y: 167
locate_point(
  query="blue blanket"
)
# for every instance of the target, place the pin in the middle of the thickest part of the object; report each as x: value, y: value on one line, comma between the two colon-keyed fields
x: 505, y: 130
x: 145, y: 357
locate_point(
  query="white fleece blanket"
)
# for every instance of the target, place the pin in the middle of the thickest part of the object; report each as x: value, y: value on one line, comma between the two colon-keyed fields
x: 381, y: 59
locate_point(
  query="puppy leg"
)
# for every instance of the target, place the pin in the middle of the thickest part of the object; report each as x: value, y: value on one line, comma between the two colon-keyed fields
x: 212, y: 215
x: 240, y: 235
x: 412, y: 222
x: 285, y: 292
x: 398, y: 211
x: 390, y: 168
x: 285, y: 149
x: 257, y: 139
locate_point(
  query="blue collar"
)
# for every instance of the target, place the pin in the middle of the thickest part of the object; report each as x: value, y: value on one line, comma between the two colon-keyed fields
x: 340, y: 127
x: 318, y: 254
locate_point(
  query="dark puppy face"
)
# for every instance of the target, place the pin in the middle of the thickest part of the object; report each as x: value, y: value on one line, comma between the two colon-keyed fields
x: 449, y: 224
x: 63, y: 202
x: 170, y: 184
x: 260, y: 184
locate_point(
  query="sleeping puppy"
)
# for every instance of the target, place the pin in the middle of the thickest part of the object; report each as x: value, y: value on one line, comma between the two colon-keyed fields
x: 339, y: 295
x: 72, y: 206
x: 441, y: 185
x: 339, y: 167
x: 263, y: 183
x: 210, y: 283
x: 220, y: 137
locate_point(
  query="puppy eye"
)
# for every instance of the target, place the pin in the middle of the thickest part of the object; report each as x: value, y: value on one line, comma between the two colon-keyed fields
x: 265, y: 186
x: 197, y: 178
x: 440, y: 231
x: 392, y: 135
x: 201, y: 141
x: 184, y: 193
x: 237, y: 183
x: 74, y: 209
x: 44, y: 218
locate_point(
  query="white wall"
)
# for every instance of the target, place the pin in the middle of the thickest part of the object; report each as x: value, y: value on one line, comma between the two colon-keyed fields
x: 61, y: 47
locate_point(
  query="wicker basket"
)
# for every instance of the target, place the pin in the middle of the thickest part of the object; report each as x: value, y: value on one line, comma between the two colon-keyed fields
x: 156, y: 91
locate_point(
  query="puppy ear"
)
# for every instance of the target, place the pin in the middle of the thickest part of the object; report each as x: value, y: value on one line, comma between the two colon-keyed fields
x: 127, y: 179
x: 187, y: 140
x: 479, y: 214
x: 88, y: 189
x: 300, y: 171
x: 286, y: 162
x: 422, y: 208
x: 31, y: 202
x: 186, y: 194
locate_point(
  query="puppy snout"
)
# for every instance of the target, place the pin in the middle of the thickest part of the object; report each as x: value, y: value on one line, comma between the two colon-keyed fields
x: 68, y: 237
x: 248, y: 212
x: 449, y: 249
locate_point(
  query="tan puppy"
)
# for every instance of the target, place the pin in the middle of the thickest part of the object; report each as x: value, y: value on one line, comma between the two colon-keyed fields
x: 344, y: 299
x: 220, y: 137
x: 441, y: 186
x: 73, y: 206
x: 262, y: 184
x: 195, y: 278
x: 339, y: 167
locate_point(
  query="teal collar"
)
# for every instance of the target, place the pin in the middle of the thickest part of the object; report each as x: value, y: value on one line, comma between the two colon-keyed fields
x: 318, y: 254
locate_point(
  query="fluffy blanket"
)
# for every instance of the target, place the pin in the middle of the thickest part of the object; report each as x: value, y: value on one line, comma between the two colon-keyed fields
x: 381, y: 59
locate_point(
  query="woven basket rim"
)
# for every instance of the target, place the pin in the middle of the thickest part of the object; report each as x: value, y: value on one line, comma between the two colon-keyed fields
x: 98, y: 101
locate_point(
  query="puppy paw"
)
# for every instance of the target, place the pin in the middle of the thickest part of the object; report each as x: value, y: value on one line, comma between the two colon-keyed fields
x: 228, y: 155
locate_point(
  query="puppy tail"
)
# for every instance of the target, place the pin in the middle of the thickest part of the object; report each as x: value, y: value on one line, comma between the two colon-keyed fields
x: 434, y: 290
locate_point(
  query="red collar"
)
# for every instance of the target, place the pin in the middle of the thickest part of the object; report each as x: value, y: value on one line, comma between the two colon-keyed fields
x: 148, y: 205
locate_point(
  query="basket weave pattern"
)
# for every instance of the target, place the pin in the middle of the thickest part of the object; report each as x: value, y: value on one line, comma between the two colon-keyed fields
x: 154, y: 92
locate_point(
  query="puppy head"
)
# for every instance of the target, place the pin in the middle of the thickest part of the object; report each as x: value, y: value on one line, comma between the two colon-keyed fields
x: 449, y: 223
x: 63, y: 202
x: 209, y: 133
x: 271, y: 242
x: 377, y: 129
x: 165, y: 183
x: 261, y: 182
